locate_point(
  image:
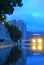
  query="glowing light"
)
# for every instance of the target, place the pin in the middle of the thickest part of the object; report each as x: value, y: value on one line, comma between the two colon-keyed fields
x: 33, y: 44
x: 3, y: 23
x: 39, y: 40
x: 33, y: 47
x: 33, y: 40
x: 39, y: 47
x: 2, y: 16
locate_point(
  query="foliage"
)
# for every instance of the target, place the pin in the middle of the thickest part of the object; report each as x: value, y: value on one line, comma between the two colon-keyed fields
x: 14, y: 32
x: 7, y: 6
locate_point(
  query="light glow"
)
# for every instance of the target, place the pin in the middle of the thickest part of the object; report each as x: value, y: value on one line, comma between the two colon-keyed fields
x: 33, y: 47
x: 2, y: 16
x: 33, y: 40
x: 39, y: 40
x: 39, y: 47
x: 3, y: 23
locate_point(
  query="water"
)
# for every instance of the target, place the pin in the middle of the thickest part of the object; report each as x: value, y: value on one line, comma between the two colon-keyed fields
x: 35, y: 60
x: 3, y: 54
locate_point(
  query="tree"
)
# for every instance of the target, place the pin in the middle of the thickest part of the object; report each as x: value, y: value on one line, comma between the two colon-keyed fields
x: 7, y: 6
x: 14, y: 32
x: 15, y: 53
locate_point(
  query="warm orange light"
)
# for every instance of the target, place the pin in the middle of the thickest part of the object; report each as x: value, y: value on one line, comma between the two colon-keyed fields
x: 33, y: 40
x: 40, y: 44
x: 39, y: 47
x: 39, y: 40
x: 33, y: 47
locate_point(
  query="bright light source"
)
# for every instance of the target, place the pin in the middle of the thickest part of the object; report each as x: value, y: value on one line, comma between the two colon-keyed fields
x: 33, y: 40
x: 40, y: 44
x: 3, y: 23
x: 39, y: 40
x: 39, y: 47
x: 2, y: 16
x: 33, y: 47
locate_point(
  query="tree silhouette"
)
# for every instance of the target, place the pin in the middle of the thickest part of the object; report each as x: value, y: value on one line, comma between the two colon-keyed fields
x: 7, y: 6
x: 14, y: 32
x: 15, y: 52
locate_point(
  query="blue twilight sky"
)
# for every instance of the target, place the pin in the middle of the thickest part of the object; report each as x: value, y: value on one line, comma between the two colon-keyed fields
x: 32, y: 13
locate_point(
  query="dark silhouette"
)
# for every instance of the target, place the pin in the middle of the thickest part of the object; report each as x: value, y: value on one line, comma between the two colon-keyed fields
x: 15, y: 52
x: 7, y: 6
x: 14, y: 32
x: 13, y: 56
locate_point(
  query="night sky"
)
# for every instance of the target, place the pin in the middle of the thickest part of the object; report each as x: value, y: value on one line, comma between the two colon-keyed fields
x: 32, y: 13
